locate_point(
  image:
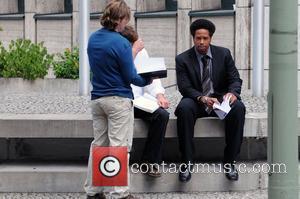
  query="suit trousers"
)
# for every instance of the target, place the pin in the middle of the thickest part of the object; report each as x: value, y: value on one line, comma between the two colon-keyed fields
x: 157, y: 121
x: 187, y: 112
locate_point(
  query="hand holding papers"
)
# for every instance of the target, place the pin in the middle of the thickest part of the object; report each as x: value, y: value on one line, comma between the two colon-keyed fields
x: 151, y: 67
x: 222, y: 109
x: 146, y: 103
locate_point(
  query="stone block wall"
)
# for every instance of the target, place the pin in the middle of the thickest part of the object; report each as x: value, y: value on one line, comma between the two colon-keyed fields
x: 46, y: 6
x: 148, y: 6
x: 206, y: 4
x: 163, y: 36
x: 55, y: 34
x: 12, y: 30
x: 8, y: 6
x: 159, y: 35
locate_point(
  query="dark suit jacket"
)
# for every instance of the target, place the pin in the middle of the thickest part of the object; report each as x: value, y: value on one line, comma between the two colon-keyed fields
x: 225, y: 75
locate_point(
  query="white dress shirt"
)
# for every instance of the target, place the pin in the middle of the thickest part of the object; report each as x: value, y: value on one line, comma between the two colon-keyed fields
x: 152, y: 89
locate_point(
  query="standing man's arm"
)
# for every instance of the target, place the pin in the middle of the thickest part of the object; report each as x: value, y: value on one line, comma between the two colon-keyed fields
x: 128, y: 70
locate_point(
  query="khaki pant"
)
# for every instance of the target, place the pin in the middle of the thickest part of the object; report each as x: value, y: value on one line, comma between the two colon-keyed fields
x: 113, y: 126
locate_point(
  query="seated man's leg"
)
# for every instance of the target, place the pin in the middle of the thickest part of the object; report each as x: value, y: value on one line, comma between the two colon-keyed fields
x: 157, y: 129
x: 187, y: 112
x: 234, y: 128
x: 156, y: 133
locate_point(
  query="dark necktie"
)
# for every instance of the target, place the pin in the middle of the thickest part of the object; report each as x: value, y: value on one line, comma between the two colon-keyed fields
x: 206, y: 82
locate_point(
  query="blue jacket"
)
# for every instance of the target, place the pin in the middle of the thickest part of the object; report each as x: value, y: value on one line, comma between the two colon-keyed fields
x: 111, y: 62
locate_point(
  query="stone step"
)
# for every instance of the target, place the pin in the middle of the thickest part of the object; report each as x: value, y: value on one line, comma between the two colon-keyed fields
x: 80, y: 126
x: 64, y: 177
x: 255, y: 194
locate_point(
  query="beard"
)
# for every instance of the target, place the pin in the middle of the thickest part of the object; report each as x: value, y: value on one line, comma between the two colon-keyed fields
x: 202, y: 49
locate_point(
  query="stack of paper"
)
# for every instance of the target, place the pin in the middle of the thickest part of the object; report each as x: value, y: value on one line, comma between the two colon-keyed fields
x: 151, y: 67
x: 222, y: 109
x: 146, y: 103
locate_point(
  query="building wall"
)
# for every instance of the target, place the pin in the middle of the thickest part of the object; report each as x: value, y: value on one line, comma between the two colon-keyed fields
x: 12, y: 30
x: 163, y: 36
x: 147, y: 6
x: 206, y: 4
x: 97, y: 6
x: 159, y: 35
x: 54, y: 34
x: 46, y: 6
x: 8, y: 6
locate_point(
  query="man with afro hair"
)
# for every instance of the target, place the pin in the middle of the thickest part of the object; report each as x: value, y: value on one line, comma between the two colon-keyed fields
x: 206, y: 74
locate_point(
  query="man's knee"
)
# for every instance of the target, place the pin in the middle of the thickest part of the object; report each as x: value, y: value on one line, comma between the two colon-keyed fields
x: 185, y: 106
x: 239, y: 108
x: 163, y: 114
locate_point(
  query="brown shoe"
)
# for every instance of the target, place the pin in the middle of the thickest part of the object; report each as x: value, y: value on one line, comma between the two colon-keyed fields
x: 154, y: 172
x: 130, y: 197
x: 151, y: 170
x: 97, y: 196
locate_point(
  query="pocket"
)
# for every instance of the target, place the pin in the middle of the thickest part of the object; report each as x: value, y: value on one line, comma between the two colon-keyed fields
x: 122, y: 103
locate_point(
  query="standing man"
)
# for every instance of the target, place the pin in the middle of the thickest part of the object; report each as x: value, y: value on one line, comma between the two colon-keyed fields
x: 206, y: 74
x: 111, y: 62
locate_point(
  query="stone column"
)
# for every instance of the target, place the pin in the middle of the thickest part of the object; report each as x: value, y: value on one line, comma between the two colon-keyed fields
x: 243, y: 40
x: 183, y: 25
x: 29, y: 21
x: 75, y: 23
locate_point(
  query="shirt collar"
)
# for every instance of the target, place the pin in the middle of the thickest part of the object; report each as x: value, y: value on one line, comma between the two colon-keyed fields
x: 208, y: 53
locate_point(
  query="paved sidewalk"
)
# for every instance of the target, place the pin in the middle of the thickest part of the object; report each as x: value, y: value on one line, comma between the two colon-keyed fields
x: 260, y: 194
x: 52, y: 103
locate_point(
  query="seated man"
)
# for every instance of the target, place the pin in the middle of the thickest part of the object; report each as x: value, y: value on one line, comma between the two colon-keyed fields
x: 205, y: 75
x: 158, y: 120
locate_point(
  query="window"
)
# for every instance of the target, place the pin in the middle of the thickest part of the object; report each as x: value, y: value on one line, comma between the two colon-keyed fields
x: 227, y: 4
x: 20, y: 6
x: 68, y: 6
x: 156, y: 5
x: 171, y: 5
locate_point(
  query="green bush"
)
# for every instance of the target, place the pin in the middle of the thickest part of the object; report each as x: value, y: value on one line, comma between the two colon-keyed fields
x: 25, y: 59
x: 68, y: 64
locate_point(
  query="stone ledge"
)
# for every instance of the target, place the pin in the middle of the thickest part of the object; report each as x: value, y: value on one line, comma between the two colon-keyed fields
x: 80, y: 126
x: 19, y: 85
x: 16, y: 16
x: 54, y: 177
x: 211, y: 13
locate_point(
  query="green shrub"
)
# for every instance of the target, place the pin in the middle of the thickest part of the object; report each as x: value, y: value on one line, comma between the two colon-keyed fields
x: 25, y: 59
x: 68, y: 64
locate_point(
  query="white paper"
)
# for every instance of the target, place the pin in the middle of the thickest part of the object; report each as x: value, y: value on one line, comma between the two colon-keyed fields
x: 222, y: 109
x: 146, y: 103
x: 150, y: 64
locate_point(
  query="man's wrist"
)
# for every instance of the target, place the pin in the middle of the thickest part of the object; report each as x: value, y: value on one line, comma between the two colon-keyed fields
x: 202, y: 99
